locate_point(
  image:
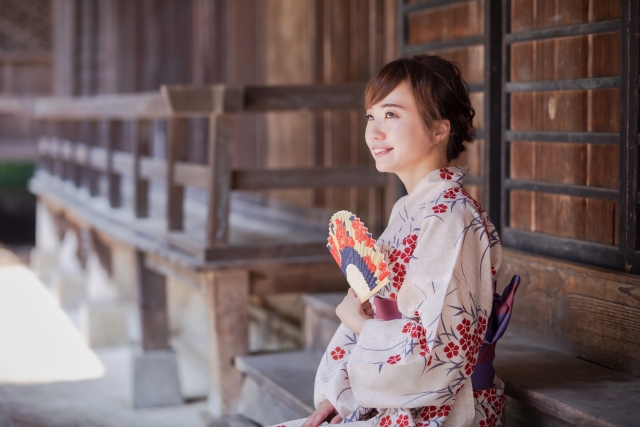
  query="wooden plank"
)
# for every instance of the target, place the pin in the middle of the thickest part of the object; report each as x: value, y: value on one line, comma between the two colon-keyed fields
x: 176, y: 151
x: 221, y: 129
x: 308, y: 97
x: 263, y: 252
x: 319, y: 177
x: 308, y: 277
x: 151, y: 105
x: 152, y: 304
x: 590, y: 311
x: 227, y: 296
x: 141, y: 142
x: 151, y: 167
x: 113, y: 138
x: 202, y: 101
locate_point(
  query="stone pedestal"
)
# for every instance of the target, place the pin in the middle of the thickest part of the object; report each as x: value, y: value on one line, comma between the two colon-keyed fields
x: 70, y: 290
x: 104, y: 323
x: 155, y: 379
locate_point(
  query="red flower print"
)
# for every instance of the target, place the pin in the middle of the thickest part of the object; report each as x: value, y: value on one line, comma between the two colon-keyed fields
x: 385, y: 421
x: 416, y: 314
x: 399, y: 269
x: 429, y: 413
x: 482, y: 325
x: 407, y: 327
x: 451, y: 350
x: 444, y: 410
x: 410, y: 240
x: 439, y: 208
x: 402, y: 420
x: 470, y: 366
x: 465, y: 327
x: 493, y: 271
x: 416, y: 331
x: 337, y: 353
x: 484, y: 423
x: 394, y: 255
x: 477, y: 393
x: 451, y: 193
x: 393, y: 359
x: 464, y: 342
x: 406, y: 254
x: 393, y: 295
x: 446, y: 174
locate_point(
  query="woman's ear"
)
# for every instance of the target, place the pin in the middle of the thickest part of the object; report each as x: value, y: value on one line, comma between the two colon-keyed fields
x: 441, y: 130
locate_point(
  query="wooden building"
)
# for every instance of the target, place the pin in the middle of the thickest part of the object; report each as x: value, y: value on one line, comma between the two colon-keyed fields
x: 141, y: 171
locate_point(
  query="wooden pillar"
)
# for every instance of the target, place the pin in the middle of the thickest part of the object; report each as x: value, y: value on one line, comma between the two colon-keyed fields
x: 221, y: 132
x: 176, y: 152
x: 113, y: 136
x: 228, y: 300
x: 152, y: 303
x: 90, y: 137
x: 141, y: 140
x: 76, y: 169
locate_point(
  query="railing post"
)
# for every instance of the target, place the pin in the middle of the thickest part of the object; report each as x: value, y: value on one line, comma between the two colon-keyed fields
x: 74, y: 137
x: 221, y: 128
x: 141, y: 141
x: 90, y: 137
x: 176, y: 150
x: 113, y: 138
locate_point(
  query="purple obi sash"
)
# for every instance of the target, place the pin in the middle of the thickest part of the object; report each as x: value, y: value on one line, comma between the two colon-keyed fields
x: 483, y: 374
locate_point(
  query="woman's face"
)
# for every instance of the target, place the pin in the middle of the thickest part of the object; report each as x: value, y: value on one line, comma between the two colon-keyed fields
x: 397, y: 136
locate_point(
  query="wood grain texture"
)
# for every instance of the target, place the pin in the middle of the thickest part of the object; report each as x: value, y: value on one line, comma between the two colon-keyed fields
x: 141, y: 141
x: 152, y: 304
x: 219, y: 188
x: 307, y: 277
x: 227, y: 294
x: 176, y: 152
x: 590, y: 311
x: 112, y: 143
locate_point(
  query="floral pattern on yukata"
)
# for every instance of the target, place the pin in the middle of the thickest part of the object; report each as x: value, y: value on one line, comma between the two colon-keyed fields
x: 443, y: 254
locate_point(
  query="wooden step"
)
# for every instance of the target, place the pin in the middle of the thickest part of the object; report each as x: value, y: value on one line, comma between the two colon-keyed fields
x: 544, y: 387
x: 320, y: 320
x: 278, y: 387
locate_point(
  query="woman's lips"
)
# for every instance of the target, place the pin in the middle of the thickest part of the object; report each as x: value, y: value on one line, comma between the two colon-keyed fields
x: 377, y: 152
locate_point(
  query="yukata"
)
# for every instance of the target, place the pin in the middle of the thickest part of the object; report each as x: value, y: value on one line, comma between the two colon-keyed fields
x: 444, y: 256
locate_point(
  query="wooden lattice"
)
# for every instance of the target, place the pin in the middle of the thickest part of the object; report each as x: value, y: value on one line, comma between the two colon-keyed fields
x: 25, y: 25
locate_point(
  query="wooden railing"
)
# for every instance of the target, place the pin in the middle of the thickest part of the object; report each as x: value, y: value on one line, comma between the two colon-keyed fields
x: 69, y: 149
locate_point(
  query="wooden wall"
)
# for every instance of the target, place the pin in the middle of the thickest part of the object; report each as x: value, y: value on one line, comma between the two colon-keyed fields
x: 447, y: 23
x: 583, y: 111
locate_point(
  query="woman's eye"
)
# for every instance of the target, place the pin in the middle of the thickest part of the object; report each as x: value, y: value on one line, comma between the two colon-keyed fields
x: 368, y: 117
x: 389, y: 115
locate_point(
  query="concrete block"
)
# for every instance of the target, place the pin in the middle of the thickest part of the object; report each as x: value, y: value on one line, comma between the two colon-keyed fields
x: 155, y: 379
x: 44, y: 264
x: 70, y: 290
x: 104, y: 324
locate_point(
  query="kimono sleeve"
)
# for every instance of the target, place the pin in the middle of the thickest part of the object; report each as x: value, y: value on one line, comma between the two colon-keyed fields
x: 426, y: 359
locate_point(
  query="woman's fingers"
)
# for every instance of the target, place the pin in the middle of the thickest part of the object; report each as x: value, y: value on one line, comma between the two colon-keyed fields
x: 336, y: 420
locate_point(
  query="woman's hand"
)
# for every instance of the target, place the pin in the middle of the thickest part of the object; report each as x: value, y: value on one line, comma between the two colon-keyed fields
x: 324, y: 412
x: 352, y: 313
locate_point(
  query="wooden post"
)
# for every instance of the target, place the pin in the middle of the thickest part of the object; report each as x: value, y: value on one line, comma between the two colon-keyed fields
x: 176, y: 152
x: 74, y: 136
x: 91, y: 140
x: 113, y: 135
x: 221, y: 129
x: 228, y: 300
x: 141, y: 140
x: 152, y: 303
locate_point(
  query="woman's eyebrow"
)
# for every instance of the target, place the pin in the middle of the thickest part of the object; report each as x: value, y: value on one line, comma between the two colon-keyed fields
x: 392, y: 105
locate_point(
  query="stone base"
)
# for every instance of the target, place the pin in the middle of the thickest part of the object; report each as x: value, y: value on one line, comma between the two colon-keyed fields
x: 69, y: 290
x: 44, y: 264
x: 155, y: 379
x: 104, y: 324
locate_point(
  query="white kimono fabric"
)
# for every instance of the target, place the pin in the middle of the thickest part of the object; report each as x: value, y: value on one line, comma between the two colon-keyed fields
x: 444, y: 255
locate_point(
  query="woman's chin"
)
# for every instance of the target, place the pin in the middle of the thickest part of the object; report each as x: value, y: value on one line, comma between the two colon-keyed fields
x: 382, y: 167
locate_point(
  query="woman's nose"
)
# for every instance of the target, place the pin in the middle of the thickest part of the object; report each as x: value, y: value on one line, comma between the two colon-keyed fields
x: 373, y: 131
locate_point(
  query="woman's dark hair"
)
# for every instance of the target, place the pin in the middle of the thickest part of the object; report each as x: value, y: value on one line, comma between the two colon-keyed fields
x: 439, y: 91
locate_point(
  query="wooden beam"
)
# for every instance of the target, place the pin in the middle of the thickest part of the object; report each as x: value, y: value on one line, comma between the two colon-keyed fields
x: 307, y: 277
x: 228, y: 300
x: 176, y: 151
x: 273, y: 251
x: 318, y: 177
x: 141, y: 141
x: 203, y: 100
x: 152, y: 303
x: 113, y: 135
x: 310, y: 97
x: 150, y: 105
x: 221, y: 128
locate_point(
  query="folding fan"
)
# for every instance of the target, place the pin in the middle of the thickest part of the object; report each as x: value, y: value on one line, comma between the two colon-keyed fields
x: 354, y: 250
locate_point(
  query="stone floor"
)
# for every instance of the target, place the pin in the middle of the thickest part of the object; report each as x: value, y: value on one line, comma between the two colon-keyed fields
x: 49, y: 377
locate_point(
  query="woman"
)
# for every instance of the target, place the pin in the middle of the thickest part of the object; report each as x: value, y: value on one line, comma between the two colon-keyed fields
x: 412, y: 364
